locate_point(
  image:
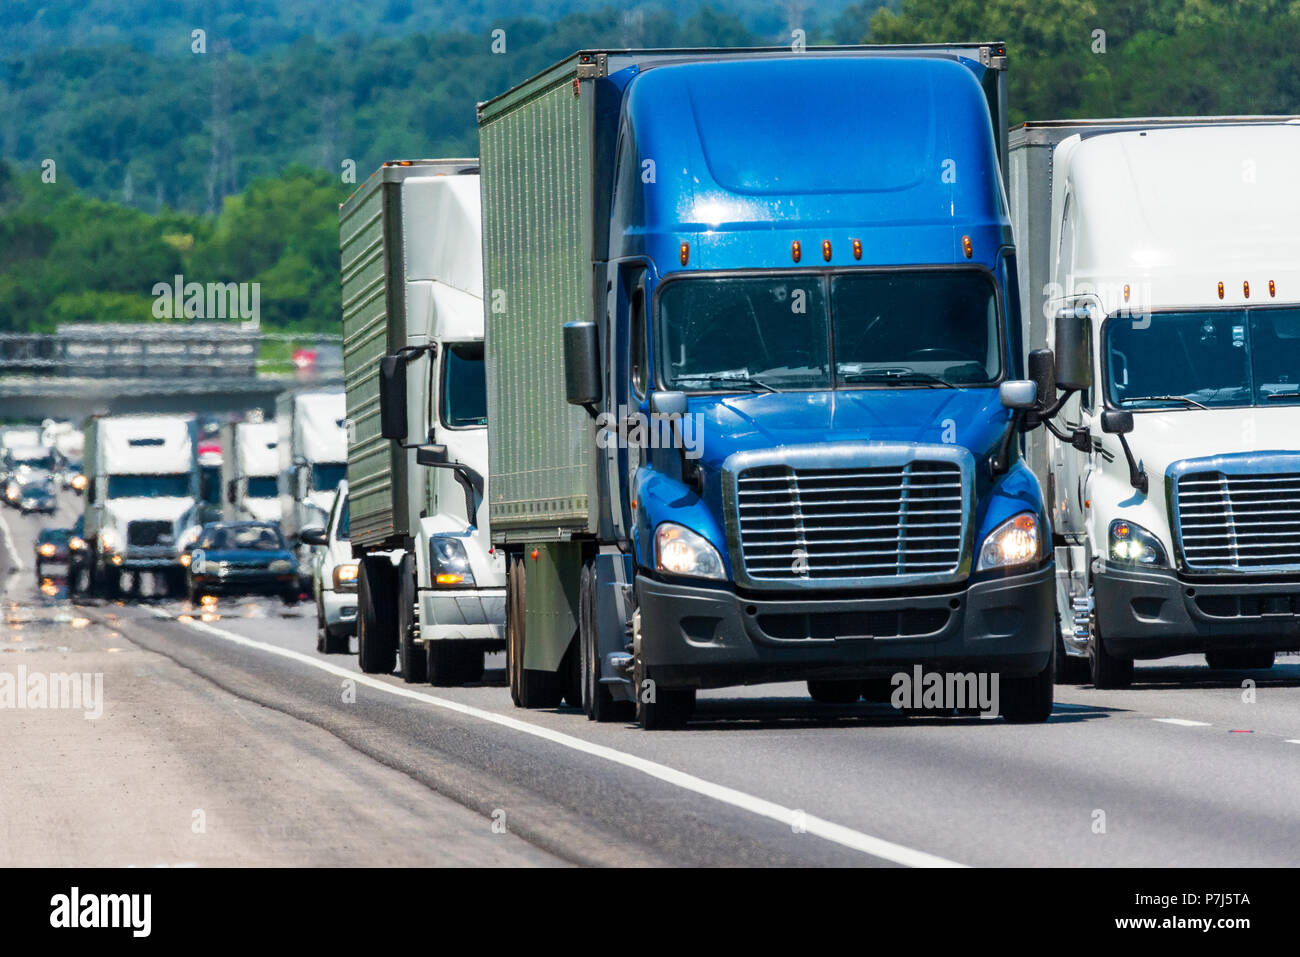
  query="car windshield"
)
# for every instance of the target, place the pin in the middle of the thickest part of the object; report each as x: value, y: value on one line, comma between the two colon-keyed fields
x: 464, y: 389
x: 56, y: 536
x: 1232, y: 357
x: 325, y: 476
x: 149, y: 486
x: 35, y: 459
x: 37, y: 488
x: 262, y: 486
x: 875, y: 330
x: 258, y: 538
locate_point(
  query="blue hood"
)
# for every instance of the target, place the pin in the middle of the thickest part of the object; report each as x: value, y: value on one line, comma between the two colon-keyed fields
x: 971, y: 418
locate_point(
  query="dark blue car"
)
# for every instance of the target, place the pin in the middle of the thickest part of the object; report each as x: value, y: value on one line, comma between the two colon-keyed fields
x: 241, y: 558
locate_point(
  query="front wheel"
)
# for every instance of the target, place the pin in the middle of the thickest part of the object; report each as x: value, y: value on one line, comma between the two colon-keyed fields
x: 376, y: 621
x: 1109, y: 671
x: 412, y: 659
x: 657, y: 708
x: 1239, y: 660
x: 1029, y: 700
x: 597, y: 700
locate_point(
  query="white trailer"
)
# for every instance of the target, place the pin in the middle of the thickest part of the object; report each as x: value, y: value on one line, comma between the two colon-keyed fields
x: 312, y: 443
x: 1170, y: 248
x: 141, y: 497
x: 431, y: 587
x: 250, y: 470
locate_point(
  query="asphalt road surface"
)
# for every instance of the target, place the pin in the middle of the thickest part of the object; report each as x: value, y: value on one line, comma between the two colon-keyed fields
x: 225, y: 738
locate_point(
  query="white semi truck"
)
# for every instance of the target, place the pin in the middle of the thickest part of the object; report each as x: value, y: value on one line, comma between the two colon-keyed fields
x: 1168, y: 251
x: 431, y: 587
x: 250, y: 469
x: 141, y: 496
x: 313, y: 448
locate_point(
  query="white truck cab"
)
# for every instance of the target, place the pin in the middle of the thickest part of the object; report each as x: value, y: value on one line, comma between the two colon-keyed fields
x: 141, y: 496
x: 250, y: 472
x: 431, y: 586
x: 1175, y: 477
x: 313, y: 450
x: 334, y: 577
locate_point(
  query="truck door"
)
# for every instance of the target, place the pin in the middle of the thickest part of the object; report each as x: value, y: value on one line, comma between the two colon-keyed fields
x: 626, y: 389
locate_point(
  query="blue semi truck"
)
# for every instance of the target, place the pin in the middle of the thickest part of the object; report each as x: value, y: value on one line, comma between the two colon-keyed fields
x: 755, y: 379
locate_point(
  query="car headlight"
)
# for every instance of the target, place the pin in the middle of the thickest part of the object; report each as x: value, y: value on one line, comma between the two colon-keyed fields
x: 79, y: 482
x: 185, y: 559
x: 11, y: 493
x: 345, y: 576
x: 1015, y: 542
x: 47, y: 550
x: 107, y: 540
x: 76, y: 544
x: 280, y: 565
x: 1133, y: 545
x: 448, y: 564
x: 680, y: 551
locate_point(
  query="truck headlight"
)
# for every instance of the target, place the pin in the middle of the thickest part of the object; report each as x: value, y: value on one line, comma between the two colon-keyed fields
x: 1015, y: 542
x: 448, y: 564
x: 345, y: 576
x: 79, y: 482
x: 47, y: 550
x: 1133, y: 545
x: 76, y: 544
x: 107, y: 540
x: 680, y: 551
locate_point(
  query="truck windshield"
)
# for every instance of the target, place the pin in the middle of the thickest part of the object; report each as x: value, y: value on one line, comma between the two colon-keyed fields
x: 149, y: 486
x: 464, y: 388
x: 325, y: 476
x: 876, y: 330
x: 1206, y: 359
x: 262, y: 486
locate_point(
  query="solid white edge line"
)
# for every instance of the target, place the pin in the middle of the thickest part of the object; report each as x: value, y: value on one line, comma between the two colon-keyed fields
x: 827, y: 830
x: 1183, y: 722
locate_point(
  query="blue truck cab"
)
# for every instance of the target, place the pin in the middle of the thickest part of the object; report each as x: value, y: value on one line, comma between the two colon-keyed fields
x: 802, y: 381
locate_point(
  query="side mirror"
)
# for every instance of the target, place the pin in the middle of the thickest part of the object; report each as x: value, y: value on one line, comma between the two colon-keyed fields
x: 1018, y: 394
x: 1073, y: 349
x: 231, y: 491
x: 1042, y: 371
x: 392, y: 397
x: 581, y: 363
x: 670, y: 404
x: 431, y: 455
x: 314, y: 536
x: 1117, y: 422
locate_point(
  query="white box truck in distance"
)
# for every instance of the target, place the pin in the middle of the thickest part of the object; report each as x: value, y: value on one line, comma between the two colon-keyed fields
x: 1169, y: 247
x: 431, y: 587
x: 141, y: 495
x: 313, y: 449
x: 250, y: 472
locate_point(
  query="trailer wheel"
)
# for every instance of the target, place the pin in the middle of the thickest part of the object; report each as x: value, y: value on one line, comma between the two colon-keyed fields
x: 411, y: 657
x: 376, y: 621
x: 597, y: 700
x: 528, y: 688
x: 1029, y: 700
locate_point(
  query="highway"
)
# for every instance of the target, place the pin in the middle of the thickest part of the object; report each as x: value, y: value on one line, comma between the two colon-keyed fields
x: 226, y: 739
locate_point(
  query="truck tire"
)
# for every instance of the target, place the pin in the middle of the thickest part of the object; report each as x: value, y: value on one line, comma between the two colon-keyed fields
x: 835, y: 692
x: 597, y: 700
x: 657, y: 708
x: 1109, y: 672
x: 412, y: 659
x: 453, y: 662
x: 1029, y: 700
x: 528, y: 688
x: 1239, y: 660
x: 376, y: 618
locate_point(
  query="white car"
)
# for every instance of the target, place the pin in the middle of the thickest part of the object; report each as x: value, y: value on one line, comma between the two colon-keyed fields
x: 334, y: 578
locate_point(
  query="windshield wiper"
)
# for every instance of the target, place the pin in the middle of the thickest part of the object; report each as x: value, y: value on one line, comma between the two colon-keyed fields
x: 728, y: 378
x: 899, y: 375
x: 1168, y: 398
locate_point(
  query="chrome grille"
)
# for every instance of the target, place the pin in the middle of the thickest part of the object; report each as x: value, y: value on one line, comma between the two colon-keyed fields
x: 810, y: 524
x: 1239, y: 522
x: 147, y: 533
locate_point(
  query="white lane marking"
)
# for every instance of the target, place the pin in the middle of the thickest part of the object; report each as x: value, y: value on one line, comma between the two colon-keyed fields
x: 1183, y: 722
x: 1293, y: 740
x: 827, y: 830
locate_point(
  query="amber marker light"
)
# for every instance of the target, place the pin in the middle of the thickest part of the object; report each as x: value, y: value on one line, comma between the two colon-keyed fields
x: 857, y: 249
x: 1127, y: 290
x: 966, y: 247
x: 685, y: 253
x: 826, y: 250
x: 1272, y: 288
x: 796, y: 251
x: 1245, y: 289
x: 1220, y: 290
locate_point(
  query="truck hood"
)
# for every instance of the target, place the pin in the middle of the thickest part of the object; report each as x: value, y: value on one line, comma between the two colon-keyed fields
x: 1161, y: 439
x: 262, y: 509
x: 970, y: 418
x: 123, y: 510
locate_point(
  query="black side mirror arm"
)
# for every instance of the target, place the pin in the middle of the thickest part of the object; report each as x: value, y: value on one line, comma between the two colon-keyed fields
x: 1136, y: 477
x: 470, y: 481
